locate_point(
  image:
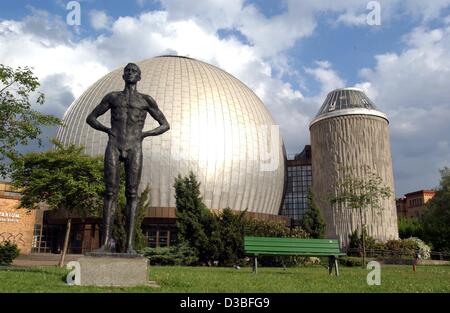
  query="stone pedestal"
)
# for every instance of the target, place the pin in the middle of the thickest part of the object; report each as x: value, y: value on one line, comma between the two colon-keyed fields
x: 113, y: 269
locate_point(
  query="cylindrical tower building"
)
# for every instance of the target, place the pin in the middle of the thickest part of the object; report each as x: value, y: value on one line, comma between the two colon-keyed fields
x: 348, y: 136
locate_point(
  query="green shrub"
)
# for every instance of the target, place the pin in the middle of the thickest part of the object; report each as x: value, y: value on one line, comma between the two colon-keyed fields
x: 231, y: 229
x: 312, y: 221
x: 176, y: 255
x: 280, y: 261
x: 400, y: 244
x: 120, y: 220
x: 401, y: 247
x: 424, y: 251
x: 233, y: 226
x: 196, y: 225
x: 8, y: 252
x: 410, y: 227
x: 218, y: 238
x: 436, y: 220
x: 355, y: 245
x: 415, y: 247
x: 269, y: 228
x: 263, y: 228
x: 350, y: 261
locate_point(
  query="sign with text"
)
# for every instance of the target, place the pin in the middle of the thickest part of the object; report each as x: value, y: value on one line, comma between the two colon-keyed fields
x: 9, y: 217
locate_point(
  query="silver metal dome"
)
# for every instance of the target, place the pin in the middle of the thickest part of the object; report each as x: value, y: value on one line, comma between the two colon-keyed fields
x: 347, y: 101
x: 219, y: 129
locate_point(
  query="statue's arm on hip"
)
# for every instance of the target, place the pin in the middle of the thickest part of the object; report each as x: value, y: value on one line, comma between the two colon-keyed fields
x: 156, y: 113
x: 98, y: 111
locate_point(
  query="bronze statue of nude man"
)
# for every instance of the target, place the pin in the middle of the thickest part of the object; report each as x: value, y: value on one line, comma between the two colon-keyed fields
x: 129, y: 110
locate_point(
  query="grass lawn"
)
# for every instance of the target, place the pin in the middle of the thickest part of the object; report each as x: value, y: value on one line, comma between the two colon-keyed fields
x: 394, y: 278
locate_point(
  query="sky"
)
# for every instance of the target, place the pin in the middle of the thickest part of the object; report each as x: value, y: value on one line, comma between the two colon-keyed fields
x: 290, y: 52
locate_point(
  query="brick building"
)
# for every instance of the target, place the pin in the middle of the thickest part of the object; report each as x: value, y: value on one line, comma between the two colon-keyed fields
x: 16, y: 225
x: 414, y: 204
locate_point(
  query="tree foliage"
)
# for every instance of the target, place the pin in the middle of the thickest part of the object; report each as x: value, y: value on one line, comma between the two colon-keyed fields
x: 436, y: 221
x: 144, y: 202
x: 8, y: 252
x: 64, y: 178
x: 119, y: 230
x: 19, y: 122
x: 232, y: 228
x: 312, y: 221
x: 180, y: 254
x: 361, y: 194
x: 217, y: 237
x: 196, y: 225
x: 410, y: 227
x: 355, y: 247
x: 270, y: 228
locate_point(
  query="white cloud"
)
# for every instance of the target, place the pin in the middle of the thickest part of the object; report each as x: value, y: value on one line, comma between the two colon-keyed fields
x: 447, y: 20
x: 58, y: 94
x: 49, y: 55
x: 412, y: 88
x: 140, y: 2
x: 352, y: 19
x: 326, y: 76
x: 142, y: 37
x: 210, y: 15
x: 49, y: 30
x: 63, y: 67
x: 99, y: 19
x: 426, y: 10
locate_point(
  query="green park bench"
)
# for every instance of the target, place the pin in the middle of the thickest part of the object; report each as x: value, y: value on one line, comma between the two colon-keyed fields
x: 293, y: 246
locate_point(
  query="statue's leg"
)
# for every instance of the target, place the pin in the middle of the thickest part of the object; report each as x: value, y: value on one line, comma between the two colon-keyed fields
x: 112, y: 180
x: 133, y: 170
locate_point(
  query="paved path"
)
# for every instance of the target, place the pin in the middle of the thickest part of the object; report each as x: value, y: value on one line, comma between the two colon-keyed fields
x: 43, y: 259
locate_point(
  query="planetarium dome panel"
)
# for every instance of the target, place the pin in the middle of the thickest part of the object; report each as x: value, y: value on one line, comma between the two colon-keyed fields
x: 220, y: 130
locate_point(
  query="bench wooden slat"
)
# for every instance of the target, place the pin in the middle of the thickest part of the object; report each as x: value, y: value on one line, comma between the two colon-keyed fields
x: 300, y: 253
x: 290, y: 239
x: 293, y: 246
x: 296, y: 251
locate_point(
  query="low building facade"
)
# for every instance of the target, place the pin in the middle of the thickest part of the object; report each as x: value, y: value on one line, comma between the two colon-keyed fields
x: 414, y: 204
x: 43, y: 230
x: 16, y: 225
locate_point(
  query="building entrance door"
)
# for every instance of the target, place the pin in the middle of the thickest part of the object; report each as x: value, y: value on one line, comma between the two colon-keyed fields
x: 76, y: 239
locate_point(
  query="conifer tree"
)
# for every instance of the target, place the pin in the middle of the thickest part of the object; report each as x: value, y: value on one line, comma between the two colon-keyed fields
x: 313, y: 222
x: 196, y: 225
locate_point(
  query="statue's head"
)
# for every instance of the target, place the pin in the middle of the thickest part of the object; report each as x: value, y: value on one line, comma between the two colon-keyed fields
x: 131, y: 73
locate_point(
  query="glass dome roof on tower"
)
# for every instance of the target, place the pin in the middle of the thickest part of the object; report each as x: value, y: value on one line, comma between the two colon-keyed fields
x: 345, y: 101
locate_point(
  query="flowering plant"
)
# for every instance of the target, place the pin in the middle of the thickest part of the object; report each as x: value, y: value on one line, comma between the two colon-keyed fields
x: 423, y: 250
